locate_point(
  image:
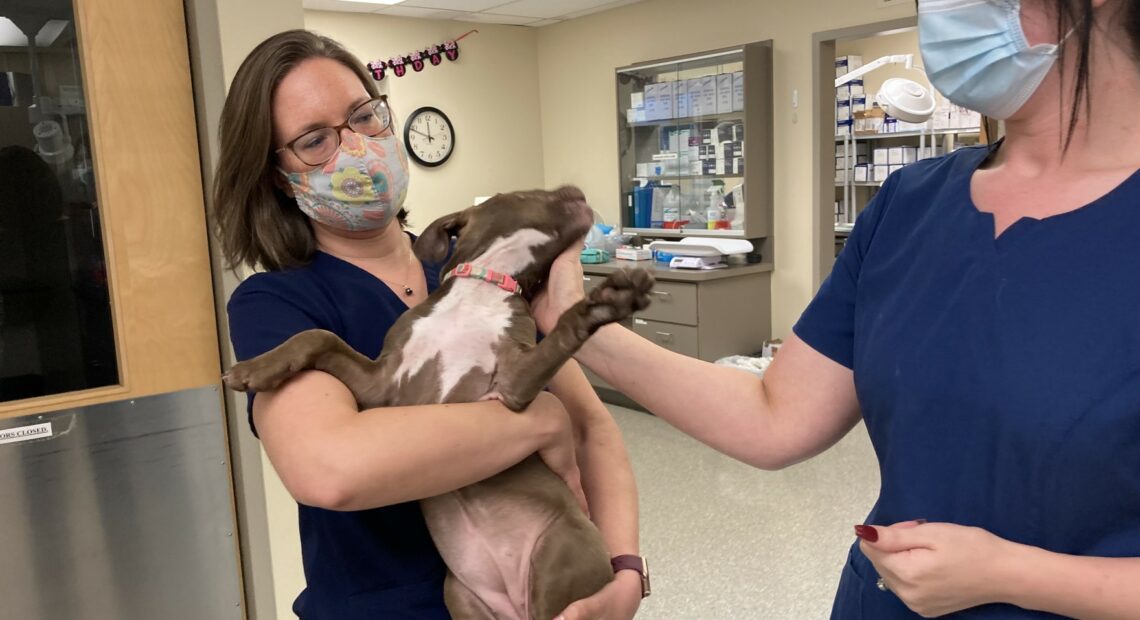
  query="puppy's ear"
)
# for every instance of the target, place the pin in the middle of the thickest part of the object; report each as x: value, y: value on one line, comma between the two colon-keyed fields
x: 433, y: 244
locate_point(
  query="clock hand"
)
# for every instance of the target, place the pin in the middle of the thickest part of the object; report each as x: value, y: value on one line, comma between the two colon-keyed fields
x: 428, y: 136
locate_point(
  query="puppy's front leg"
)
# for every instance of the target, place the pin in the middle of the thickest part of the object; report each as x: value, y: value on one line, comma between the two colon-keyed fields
x: 616, y: 299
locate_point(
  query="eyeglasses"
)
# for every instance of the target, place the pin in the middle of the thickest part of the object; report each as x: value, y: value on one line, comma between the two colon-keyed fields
x: 318, y: 146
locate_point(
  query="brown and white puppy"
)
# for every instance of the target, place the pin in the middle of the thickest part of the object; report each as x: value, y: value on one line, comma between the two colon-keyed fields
x: 517, y: 545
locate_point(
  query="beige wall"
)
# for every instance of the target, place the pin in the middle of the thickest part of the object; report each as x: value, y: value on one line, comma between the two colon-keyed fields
x: 490, y: 94
x: 579, y: 127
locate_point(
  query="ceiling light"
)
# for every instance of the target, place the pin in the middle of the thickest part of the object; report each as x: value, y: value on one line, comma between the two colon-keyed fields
x: 50, y: 32
x: 10, y: 35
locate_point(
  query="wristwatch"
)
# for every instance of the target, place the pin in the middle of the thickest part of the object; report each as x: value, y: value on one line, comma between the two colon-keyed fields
x: 634, y: 563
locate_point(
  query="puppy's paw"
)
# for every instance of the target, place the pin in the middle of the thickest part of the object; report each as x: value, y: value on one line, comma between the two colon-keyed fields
x: 623, y: 293
x: 257, y: 375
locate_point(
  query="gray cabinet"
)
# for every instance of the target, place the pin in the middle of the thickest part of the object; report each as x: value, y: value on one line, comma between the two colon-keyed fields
x: 703, y: 314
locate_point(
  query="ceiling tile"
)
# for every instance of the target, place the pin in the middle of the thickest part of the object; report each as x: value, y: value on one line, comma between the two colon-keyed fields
x: 487, y: 18
x: 342, y: 6
x: 456, y: 5
x: 598, y: 9
x: 546, y: 9
x: 411, y: 11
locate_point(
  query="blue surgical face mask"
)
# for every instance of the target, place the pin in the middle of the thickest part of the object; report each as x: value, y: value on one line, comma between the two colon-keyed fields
x: 976, y: 54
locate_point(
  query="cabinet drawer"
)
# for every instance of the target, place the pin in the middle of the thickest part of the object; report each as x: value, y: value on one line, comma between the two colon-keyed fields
x: 677, y: 338
x: 592, y: 281
x: 672, y: 302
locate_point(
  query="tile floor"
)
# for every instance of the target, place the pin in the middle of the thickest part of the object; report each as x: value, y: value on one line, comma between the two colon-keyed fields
x: 726, y: 541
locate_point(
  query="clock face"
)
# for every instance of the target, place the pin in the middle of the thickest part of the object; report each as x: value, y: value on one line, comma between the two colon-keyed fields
x: 429, y: 136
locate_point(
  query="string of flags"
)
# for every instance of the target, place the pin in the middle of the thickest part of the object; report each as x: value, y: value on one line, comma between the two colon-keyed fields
x: 418, y: 59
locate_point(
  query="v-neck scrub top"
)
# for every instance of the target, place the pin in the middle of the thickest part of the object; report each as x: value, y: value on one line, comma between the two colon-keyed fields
x: 999, y: 379
x: 359, y: 565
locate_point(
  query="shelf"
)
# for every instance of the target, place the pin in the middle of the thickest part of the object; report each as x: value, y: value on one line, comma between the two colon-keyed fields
x: 692, y: 120
x: 844, y: 230
x: 910, y: 134
x: 686, y: 177
x: 683, y: 232
x: 868, y: 184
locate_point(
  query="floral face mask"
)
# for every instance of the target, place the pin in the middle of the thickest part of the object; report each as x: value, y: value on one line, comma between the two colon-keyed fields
x: 361, y: 188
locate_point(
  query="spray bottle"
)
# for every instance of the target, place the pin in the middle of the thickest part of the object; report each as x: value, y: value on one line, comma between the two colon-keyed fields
x: 716, y: 213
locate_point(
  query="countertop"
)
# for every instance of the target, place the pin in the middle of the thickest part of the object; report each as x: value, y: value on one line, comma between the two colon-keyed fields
x: 663, y: 272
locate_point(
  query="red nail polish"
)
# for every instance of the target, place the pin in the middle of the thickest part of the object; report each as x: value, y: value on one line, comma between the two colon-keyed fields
x: 867, y: 533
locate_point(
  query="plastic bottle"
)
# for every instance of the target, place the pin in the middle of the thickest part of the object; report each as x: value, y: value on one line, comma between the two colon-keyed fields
x: 716, y: 212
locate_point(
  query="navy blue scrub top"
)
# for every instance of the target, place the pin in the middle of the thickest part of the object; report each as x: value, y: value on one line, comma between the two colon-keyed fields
x: 999, y: 379
x: 367, y: 564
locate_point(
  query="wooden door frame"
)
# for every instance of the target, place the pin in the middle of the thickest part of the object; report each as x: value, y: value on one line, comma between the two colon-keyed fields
x: 150, y: 199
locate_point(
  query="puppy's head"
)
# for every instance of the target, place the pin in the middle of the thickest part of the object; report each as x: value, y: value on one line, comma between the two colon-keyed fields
x: 520, y: 233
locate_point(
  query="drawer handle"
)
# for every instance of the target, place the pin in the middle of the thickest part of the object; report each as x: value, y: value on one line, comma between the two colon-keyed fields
x: 665, y: 336
x: 587, y: 279
x: 663, y: 293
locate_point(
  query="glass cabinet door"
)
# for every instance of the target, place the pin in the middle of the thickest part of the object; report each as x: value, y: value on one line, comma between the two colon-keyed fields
x: 56, y: 328
x: 682, y: 144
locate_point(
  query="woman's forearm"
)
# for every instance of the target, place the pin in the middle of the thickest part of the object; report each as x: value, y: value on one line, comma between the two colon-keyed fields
x: 804, y: 404
x: 1090, y: 588
x: 331, y: 456
x: 607, y: 476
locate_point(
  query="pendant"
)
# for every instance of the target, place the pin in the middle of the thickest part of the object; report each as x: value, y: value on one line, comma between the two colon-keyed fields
x: 408, y: 291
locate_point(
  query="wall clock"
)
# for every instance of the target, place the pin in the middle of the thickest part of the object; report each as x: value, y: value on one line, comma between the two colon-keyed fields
x: 429, y: 136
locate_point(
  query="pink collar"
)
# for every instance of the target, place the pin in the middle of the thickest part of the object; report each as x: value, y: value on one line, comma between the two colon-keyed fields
x: 501, y: 280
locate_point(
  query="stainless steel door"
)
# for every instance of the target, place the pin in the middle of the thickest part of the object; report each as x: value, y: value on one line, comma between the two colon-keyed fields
x: 124, y: 512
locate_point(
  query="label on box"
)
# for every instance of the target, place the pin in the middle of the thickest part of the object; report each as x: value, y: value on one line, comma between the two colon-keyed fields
x: 708, y: 94
x: 637, y: 100
x: 681, y: 94
x: 843, y: 111
x: 651, y: 102
x: 693, y: 90
x: 738, y: 91
x: 724, y: 93
x: 665, y: 100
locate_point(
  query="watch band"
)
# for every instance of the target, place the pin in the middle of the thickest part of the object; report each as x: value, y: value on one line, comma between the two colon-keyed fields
x: 634, y: 563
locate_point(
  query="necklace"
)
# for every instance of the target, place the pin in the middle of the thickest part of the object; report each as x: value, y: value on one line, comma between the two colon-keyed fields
x: 407, y: 271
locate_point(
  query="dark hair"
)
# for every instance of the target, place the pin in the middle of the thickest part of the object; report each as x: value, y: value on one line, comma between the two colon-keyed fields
x: 257, y: 223
x: 1077, y: 15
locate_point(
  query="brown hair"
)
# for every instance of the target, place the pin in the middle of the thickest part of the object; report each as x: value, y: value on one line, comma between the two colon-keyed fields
x: 258, y: 223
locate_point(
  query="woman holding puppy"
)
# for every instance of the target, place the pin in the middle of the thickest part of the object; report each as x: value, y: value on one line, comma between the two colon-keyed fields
x: 303, y: 116
x: 982, y: 322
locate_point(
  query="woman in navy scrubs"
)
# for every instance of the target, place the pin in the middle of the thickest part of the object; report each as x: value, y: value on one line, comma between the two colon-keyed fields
x: 310, y: 187
x: 984, y: 322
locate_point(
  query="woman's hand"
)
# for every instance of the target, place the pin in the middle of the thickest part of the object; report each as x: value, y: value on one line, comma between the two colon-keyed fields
x: 619, y: 600
x: 563, y: 288
x: 936, y: 568
x: 558, y: 450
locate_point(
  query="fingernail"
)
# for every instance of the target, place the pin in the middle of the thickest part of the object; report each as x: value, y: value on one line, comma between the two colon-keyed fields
x: 867, y: 533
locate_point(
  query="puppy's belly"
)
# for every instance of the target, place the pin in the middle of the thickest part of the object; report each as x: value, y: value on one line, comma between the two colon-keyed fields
x: 487, y: 532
